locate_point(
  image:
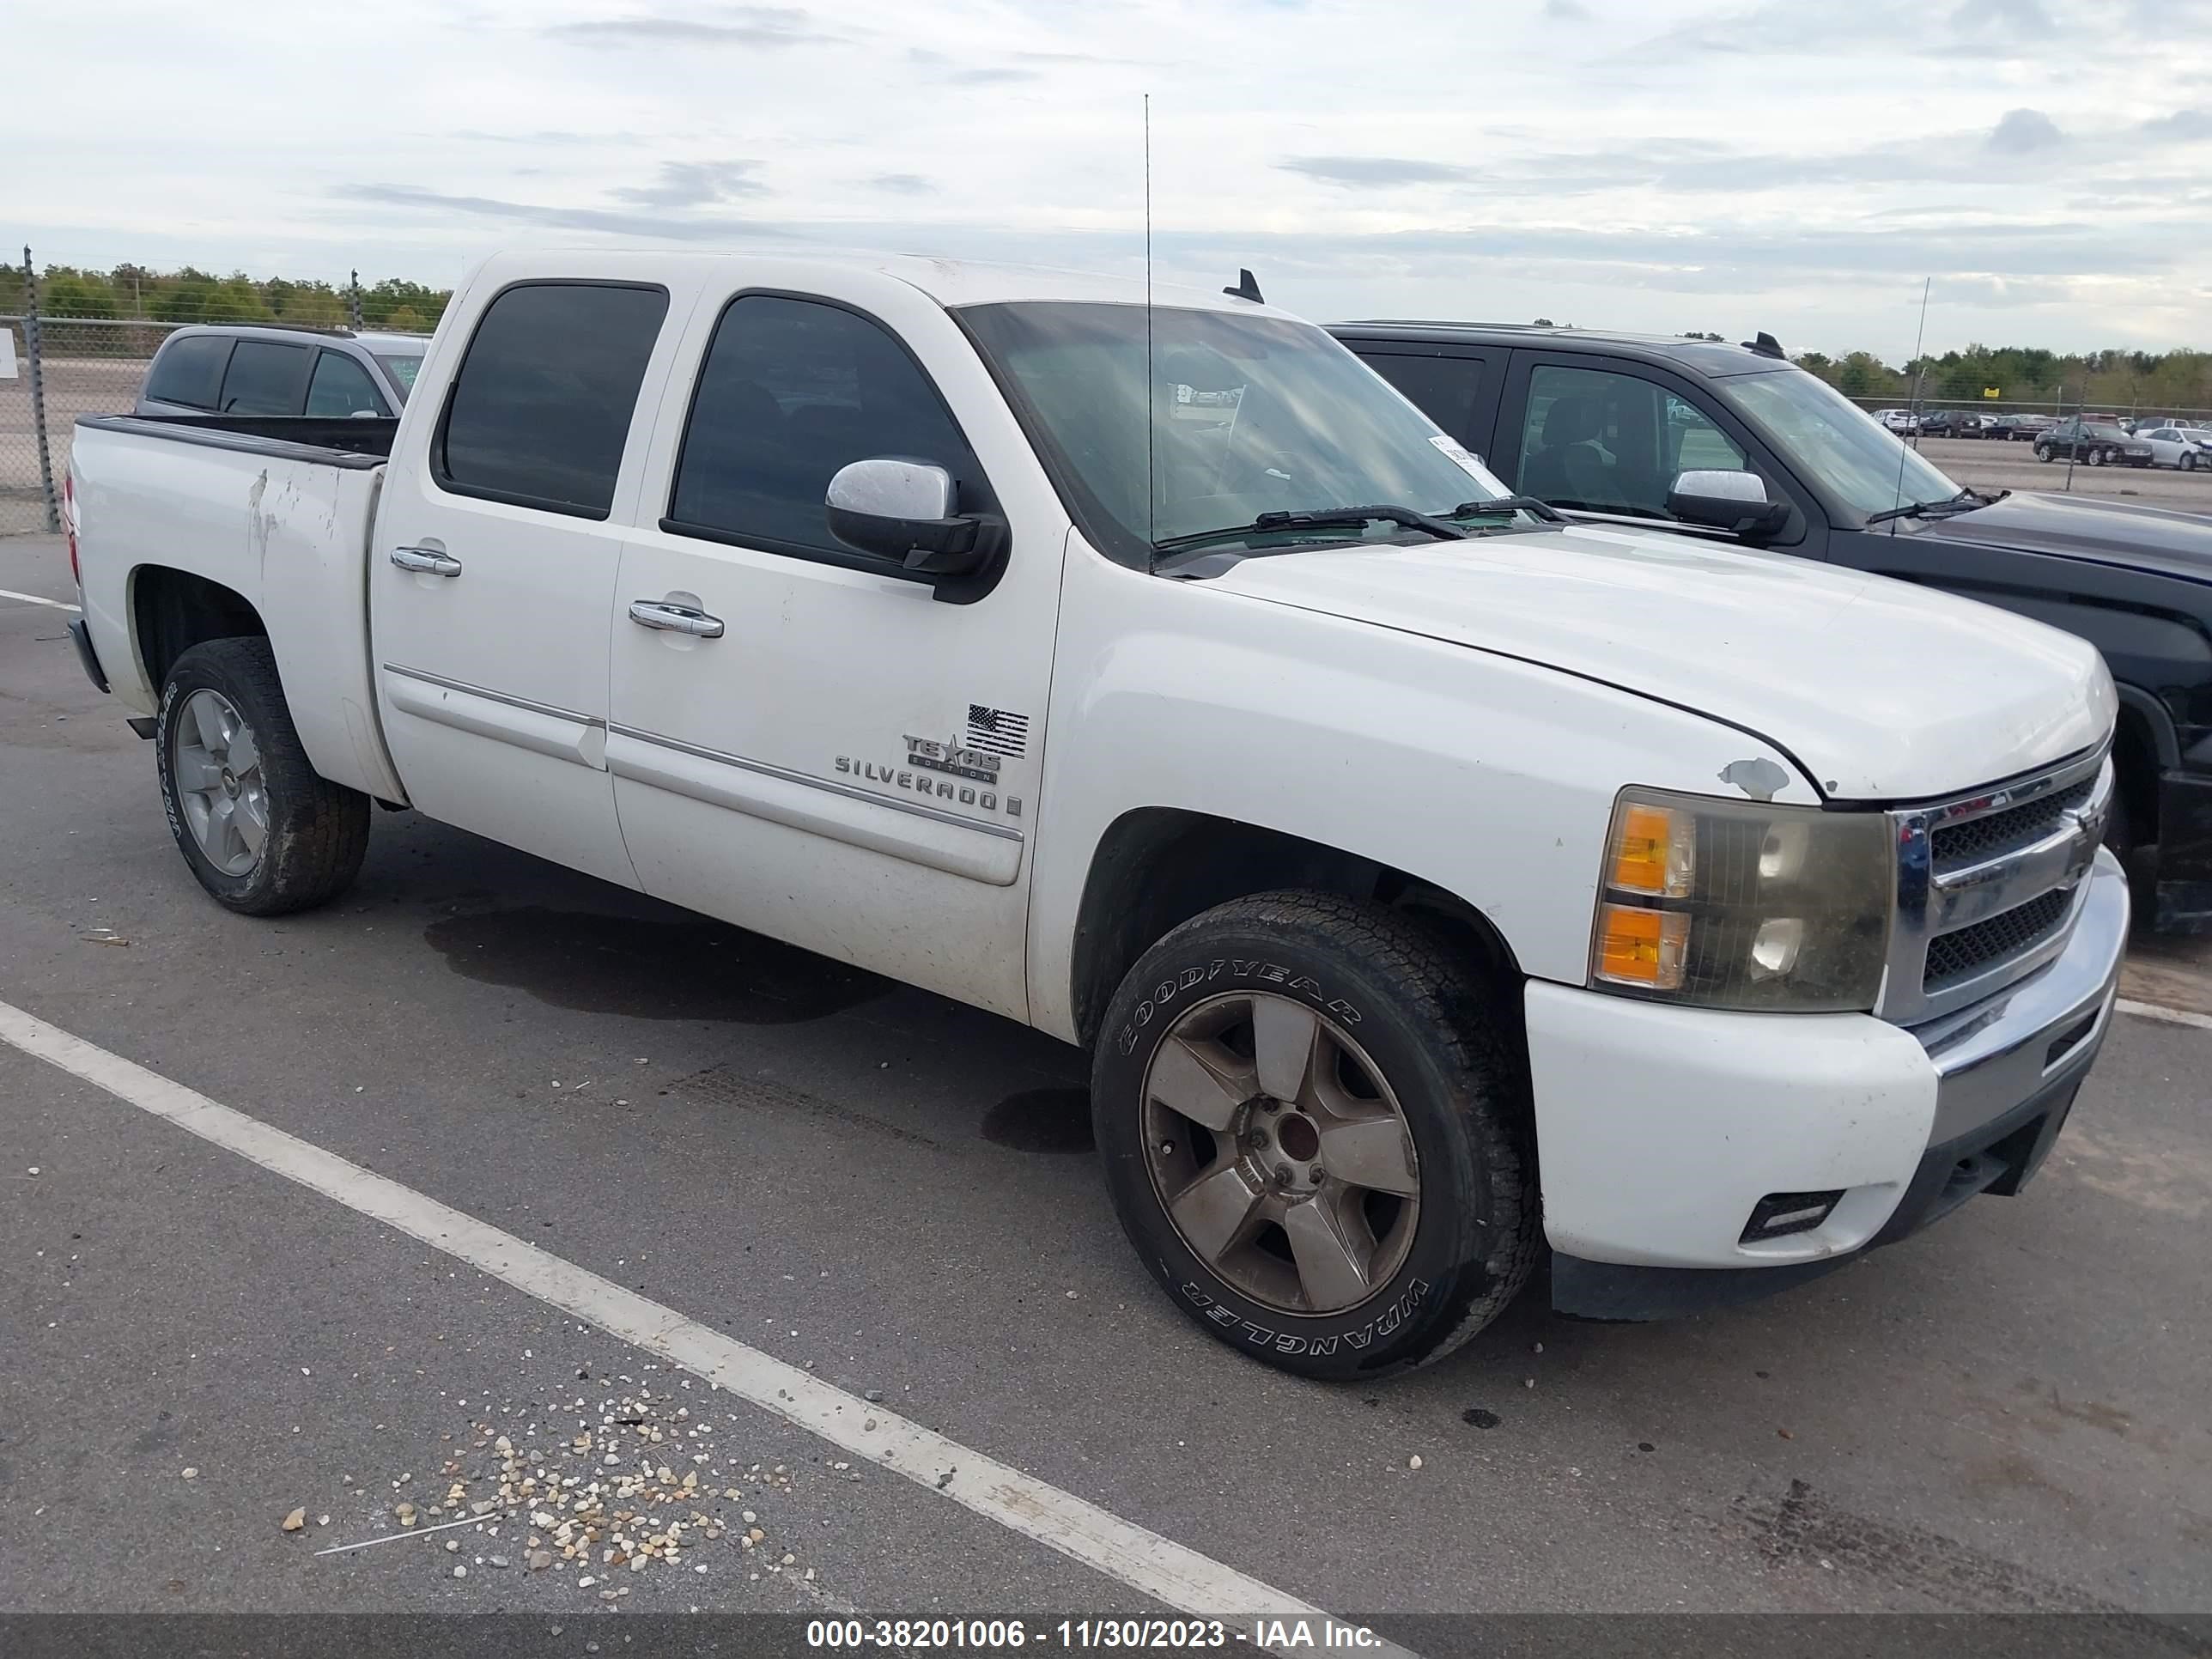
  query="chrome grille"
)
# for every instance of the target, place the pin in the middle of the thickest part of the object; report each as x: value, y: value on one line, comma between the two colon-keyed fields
x: 1955, y: 845
x: 1955, y: 956
x: 1988, y: 884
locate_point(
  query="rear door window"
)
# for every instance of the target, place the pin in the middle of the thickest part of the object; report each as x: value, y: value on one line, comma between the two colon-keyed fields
x: 541, y: 409
x: 189, y: 371
x: 342, y: 388
x: 267, y: 378
x: 1445, y: 389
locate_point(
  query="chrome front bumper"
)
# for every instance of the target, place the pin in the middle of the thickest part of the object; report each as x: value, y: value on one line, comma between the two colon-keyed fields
x: 2039, y: 1033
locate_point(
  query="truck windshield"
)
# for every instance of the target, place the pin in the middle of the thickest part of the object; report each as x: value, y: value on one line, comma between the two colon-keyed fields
x: 1820, y: 431
x: 1246, y: 416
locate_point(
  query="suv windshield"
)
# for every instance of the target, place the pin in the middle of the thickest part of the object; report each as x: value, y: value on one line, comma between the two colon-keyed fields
x: 1828, y: 435
x: 1247, y: 415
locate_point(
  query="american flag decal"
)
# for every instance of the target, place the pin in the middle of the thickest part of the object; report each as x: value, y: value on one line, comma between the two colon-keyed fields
x: 997, y: 731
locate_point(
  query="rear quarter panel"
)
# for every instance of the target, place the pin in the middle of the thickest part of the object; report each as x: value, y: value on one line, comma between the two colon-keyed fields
x: 290, y: 536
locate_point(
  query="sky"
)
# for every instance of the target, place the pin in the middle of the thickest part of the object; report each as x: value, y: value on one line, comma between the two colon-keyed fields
x: 1794, y: 165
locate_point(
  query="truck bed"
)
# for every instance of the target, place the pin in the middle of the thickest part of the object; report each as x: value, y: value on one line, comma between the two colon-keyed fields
x: 277, y: 513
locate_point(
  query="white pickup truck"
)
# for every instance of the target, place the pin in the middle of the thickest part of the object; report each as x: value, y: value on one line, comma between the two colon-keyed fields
x: 1430, y: 881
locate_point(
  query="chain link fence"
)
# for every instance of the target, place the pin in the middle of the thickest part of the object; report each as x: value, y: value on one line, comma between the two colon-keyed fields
x: 57, y: 362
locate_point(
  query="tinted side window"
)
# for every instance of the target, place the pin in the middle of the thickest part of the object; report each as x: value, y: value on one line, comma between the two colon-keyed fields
x: 190, y: 371
x: 266, y: 378
x: 791, y: 391
x: 1612, y: 443
x: 541, y: 408
x: 1442, y: 388
x: 342, y: 387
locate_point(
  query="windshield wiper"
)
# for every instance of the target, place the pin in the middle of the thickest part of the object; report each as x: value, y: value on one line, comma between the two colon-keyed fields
x: 1540, y: 509
x: 1330, y: 518
x: 1967, y: 500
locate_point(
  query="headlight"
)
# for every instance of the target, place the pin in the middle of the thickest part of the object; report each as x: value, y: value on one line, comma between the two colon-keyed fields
x: 1743, y: 904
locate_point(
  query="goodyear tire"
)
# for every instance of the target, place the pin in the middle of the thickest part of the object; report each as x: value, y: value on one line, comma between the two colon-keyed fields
x: 262, y: 831
x: 1315, y: 1136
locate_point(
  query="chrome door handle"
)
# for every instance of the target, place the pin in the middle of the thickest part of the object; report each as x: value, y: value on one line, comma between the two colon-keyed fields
x: 675, y: 618
x: 427, y: 561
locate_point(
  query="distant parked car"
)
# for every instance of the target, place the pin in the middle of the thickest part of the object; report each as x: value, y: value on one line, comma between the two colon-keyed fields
x: 241, y: 368
x: 1899, y: 420
x: 2027, y: 429
x: 2184, y: 447
x: 2085, y: 438
x: 1938, y: 423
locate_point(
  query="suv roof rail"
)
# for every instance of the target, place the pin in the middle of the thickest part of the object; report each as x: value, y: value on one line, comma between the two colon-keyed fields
x: 289, y: 328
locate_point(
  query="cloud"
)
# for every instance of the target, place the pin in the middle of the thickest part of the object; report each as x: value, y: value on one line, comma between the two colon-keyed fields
x: 1567, y: 11
x: 989, y: 77
x: 1383, y: 170
x: 683, y: 227
x: 693, y: 184
x: 901, y: 184
x: 2024, y: 131
x: 735, y: 26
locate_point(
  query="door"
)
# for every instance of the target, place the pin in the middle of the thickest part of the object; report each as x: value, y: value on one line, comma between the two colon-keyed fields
x: 1603, y: 438
x: 492, y: 577
x: 806, y: 741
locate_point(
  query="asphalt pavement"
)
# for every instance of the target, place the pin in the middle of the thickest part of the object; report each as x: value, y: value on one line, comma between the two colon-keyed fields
x: 894, y: 1197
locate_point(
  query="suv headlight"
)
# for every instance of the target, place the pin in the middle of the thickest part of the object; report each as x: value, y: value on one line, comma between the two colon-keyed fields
x: 1743, y: 904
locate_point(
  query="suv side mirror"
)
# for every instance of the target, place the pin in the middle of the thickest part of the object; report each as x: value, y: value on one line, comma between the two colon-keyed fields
x: 903, y: 510
x: 1727, y: 501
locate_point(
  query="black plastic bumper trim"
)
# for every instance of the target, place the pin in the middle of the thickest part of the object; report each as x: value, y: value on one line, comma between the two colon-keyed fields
x: 86, y: 654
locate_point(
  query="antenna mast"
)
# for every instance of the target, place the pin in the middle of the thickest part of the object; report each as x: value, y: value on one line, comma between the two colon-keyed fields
x: 1919, y: 373
x: 1151, y: 497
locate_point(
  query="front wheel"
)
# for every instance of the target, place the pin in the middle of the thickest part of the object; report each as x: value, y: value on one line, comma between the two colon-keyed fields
x: 2188, y: 462
x: 263, y: 832
x: 2096, y: 458
x: 1314, y: 1136
x: 2043, y: 452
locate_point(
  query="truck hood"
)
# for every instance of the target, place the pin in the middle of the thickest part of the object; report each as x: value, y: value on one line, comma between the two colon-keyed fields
x: 2155, y: 539
x: 1879, y: 690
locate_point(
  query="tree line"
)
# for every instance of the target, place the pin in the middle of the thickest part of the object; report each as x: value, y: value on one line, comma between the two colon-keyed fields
x: 134, y: 293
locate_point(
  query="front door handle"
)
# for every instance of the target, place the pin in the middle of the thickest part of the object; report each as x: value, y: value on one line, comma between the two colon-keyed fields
x: 428, y: 562
x: 673, y: 618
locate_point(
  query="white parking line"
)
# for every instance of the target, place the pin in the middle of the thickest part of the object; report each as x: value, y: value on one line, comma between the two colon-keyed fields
x: 1158, y: 1567
x: 2156, y: 1011
x: 33, y: 598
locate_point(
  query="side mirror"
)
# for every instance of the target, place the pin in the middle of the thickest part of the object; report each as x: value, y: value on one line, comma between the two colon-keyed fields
x: 1727, y: 501
x: 903, y: 510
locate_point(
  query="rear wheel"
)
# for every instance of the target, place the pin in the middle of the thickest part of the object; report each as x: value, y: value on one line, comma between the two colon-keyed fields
x: 1314, y: 1136
x: 263, y: 832
x: 2188, y: 461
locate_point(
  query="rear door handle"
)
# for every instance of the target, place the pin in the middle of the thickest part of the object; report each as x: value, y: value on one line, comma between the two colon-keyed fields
x: 675, y: 618
x: 430, y: 563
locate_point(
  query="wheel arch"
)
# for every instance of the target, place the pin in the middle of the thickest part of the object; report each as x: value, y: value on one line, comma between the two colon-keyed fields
x: 2144, y: 744
x: 172, y: 610
x: 1156, y: 867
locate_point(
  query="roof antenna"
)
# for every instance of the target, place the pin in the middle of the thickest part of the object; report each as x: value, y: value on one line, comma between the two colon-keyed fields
x: 1919, y: 373
x: 1151, y: 391
x: 1246, y: 289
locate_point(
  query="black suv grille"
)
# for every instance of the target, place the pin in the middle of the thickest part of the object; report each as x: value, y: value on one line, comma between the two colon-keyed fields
x: 1977, y: 839
x: 1954, y: 955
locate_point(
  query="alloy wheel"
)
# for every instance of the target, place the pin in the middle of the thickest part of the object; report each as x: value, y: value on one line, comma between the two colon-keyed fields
x: 1280, y: 1153
x: 216, y: 765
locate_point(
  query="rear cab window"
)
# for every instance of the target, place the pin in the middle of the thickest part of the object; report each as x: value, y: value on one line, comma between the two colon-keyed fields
x: 188, y: 371
x: 1448, y: 390
x: 540, y: 411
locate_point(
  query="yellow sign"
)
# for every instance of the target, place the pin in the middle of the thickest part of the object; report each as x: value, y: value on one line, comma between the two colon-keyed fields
x: 1991, y: 392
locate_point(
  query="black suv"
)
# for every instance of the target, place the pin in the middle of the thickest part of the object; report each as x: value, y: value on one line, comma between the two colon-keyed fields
x: 1603, y: 427
x: 2098, y: 442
